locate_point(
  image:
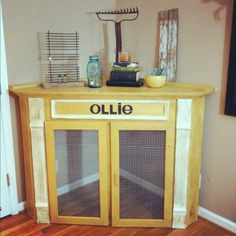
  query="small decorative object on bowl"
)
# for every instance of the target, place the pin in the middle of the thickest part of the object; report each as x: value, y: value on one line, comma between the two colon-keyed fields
x: 156, y: 78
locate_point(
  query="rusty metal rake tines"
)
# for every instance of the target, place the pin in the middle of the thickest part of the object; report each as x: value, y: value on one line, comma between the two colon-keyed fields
x: 134, y: 12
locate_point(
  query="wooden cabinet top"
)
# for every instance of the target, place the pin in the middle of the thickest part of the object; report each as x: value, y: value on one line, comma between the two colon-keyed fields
x: 170, y: 90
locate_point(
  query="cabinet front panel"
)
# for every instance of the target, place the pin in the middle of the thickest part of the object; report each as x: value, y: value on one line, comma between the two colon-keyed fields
x: 77, y: 161
x: 110, y: 109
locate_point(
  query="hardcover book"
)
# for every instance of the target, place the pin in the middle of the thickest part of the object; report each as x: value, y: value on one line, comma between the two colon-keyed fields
x: 124, y: 76
x: 138, y: 83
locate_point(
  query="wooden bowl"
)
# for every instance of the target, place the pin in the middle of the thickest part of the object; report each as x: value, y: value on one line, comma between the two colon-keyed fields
x: 153, y: 81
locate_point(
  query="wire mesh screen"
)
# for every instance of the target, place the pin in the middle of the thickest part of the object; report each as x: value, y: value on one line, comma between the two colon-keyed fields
x: 77, y: 172
x: 142, y: 158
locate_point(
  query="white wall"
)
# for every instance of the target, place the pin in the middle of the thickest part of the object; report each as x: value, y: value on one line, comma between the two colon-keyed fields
x: 200, y: 60
x: 24, y: 19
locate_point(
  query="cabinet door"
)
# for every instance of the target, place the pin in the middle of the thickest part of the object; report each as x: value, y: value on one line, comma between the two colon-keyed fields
x: 77, y: 159
x: 142, y: 173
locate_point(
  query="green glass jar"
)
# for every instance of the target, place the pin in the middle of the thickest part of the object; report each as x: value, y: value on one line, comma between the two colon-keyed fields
x: 94, y: 72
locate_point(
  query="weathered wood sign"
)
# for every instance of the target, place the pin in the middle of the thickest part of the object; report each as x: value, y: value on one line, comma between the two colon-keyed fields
x: 230, y: 102
x: 167, y: 42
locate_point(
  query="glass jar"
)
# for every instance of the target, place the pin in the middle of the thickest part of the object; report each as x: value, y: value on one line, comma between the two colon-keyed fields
x: 94, y: 72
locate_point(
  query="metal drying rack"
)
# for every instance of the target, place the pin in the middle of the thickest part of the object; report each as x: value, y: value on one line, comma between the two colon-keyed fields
x: 62, y: 55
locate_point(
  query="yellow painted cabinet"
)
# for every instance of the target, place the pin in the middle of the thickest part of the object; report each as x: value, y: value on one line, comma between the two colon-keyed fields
x: 120, y: 156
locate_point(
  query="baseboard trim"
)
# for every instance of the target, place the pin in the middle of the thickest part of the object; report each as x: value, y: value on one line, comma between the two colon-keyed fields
x: 21, y: 206
x: 219, y: 220
x: 141, y: 182
x: 77, y: 184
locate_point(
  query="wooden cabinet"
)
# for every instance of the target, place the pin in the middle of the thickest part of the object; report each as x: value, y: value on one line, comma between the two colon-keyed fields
x: 120, y: 156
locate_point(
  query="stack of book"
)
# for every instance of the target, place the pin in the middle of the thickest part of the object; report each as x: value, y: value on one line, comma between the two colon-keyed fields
x: 125, y: 74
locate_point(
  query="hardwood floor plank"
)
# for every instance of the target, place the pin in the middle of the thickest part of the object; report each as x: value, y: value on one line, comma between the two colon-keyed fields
x: 30, y: 230
x: 79, y: 230
x: 9, y: 222
x: 126, y: 231
x: 66, y: 230
x: 51, y: 229
x: 13, y: 230
x: 154, y: 232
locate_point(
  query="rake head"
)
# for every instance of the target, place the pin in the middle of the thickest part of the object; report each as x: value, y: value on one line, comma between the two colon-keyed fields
x: 134, y: 11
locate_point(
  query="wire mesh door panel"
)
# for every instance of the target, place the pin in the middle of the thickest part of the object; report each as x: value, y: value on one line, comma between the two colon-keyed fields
x: 139, y: 176
x: 142, y: 156
x: 79, y: 189
x: 76, y: 154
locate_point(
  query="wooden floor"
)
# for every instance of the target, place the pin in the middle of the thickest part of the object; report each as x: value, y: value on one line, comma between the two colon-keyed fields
x: 135, y: 202
x: 22, y: 225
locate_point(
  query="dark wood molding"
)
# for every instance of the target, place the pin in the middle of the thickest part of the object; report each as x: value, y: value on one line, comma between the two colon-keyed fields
x: 230, y: 101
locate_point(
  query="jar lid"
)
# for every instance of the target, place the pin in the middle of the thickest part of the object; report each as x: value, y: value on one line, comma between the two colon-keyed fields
x: 93, y: 57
